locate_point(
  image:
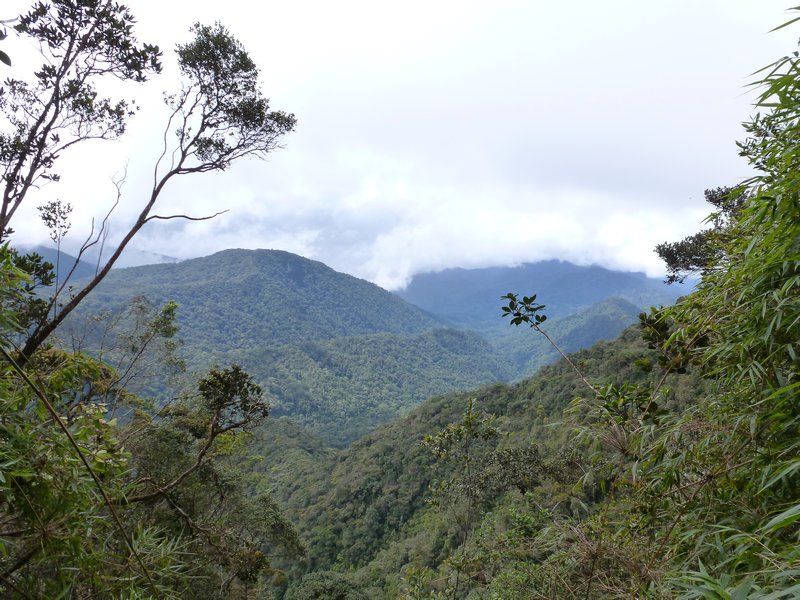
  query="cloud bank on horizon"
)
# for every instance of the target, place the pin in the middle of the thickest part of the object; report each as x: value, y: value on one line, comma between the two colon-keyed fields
x: 452, y: 134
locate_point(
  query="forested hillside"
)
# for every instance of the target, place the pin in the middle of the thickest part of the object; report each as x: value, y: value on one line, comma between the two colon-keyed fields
x: 368, y: 507
x: 343, y: 388
x: 237, y: 299
x: 336, y: 353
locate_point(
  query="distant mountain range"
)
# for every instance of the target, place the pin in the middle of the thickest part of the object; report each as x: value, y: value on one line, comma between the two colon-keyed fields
x: 341, y: 355
x: 87, y: 266
x: 471, y: 297
x: 63, y: 263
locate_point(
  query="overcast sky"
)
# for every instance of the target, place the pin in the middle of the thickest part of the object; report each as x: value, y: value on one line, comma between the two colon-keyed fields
x: 451, y: 134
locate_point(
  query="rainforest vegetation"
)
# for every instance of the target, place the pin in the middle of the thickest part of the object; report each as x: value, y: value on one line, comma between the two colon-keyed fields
x: 661, y: 464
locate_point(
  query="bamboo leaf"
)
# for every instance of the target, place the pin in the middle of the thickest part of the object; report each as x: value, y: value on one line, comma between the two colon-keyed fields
x: 787, y: 517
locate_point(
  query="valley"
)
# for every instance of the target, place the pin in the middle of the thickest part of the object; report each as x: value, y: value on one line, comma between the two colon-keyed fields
x: 256, y: 425
x: 340, y: 355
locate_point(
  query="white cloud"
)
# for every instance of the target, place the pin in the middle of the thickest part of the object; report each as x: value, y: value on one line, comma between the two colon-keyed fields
x: 456, y: 133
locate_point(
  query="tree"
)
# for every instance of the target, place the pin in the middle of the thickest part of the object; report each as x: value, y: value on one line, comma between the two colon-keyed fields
x: 218, y: 116
x: 189, y: 484
x: 81, y: 43
x: 82, y: 514
x: 697, y: 253
x: 324, y: 585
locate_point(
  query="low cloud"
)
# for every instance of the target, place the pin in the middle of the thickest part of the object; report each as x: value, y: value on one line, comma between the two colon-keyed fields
x: 483, y: 134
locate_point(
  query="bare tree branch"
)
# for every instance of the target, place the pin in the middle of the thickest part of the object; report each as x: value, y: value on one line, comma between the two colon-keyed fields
x: 187, y: 217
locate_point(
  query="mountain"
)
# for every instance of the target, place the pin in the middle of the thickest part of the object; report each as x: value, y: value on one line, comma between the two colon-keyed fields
x: 243, y: 299
x: 337, y: 354
x: 64, y: 262
x: 341, y: 355
x: 471, y: 297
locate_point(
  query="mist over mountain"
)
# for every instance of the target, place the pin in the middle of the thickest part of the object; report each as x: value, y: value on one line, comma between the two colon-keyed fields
x: 92, y: 258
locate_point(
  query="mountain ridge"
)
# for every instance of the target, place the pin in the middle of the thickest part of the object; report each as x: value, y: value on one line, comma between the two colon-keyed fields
x: 258, y: 294
x: 472, y: 297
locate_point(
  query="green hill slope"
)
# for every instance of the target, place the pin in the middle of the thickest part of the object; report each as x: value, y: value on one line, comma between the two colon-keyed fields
x: 343, y: 388
x: 238, y: 299
x: 366, y: 507
x: 338, y: 354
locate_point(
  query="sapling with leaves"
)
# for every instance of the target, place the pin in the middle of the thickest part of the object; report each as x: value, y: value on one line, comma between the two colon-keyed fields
x: 55, y: 216
x: 528, y: 311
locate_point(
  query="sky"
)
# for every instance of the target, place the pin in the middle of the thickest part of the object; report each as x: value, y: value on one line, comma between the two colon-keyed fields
x: 445, y: 134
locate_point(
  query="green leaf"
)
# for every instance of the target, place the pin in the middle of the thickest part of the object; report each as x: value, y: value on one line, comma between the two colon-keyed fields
x: 4, y: 58
x: 785, y: 472
x: 787, y: 517
x: 795, y: 20
x: 742, y: 591
x: 791, y: 592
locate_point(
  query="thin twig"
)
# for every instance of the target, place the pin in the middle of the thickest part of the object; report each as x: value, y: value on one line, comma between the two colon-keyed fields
x: 187, y: 217
x: 571, y: 364
x: 14, y: 587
